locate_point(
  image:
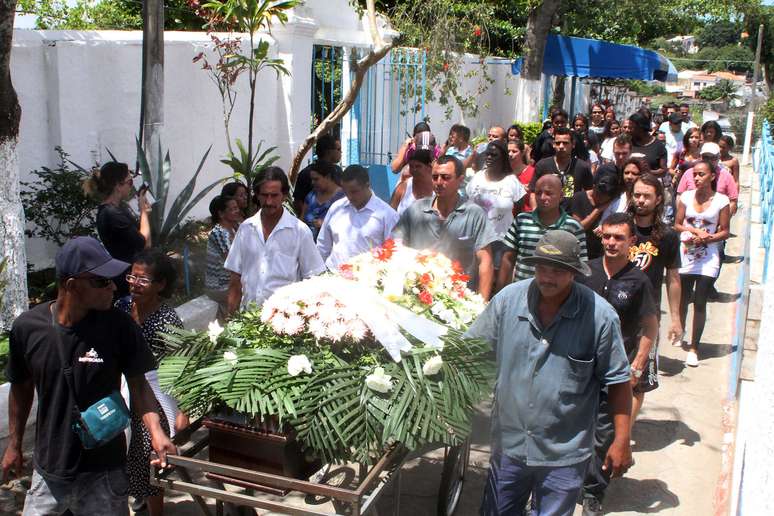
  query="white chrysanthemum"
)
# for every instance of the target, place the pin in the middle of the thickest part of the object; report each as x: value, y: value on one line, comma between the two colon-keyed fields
x: 278, y: 323
x: 214, y: 329
x: 294, y: 324
x: 378, y: 381
x: 298, y: 364
x: 432, y: 366
x: 337, y: 331
x: 318, y: 328
x: 357, y: 330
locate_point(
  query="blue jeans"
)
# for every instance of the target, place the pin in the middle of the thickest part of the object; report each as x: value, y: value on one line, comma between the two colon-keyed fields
x: 89, y: 494
x: 554, y: 490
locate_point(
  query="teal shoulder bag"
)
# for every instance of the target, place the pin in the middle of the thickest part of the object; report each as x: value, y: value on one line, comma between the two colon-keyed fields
x: 102, y: 421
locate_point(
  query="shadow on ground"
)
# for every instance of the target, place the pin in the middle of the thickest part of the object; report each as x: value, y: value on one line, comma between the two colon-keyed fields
x: 646, y: 496
x: 657, y: 434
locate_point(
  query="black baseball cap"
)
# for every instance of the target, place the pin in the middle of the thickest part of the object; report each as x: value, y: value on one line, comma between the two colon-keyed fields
x: 607, y: 180
x: 559, y: 248
x: 86, y: 254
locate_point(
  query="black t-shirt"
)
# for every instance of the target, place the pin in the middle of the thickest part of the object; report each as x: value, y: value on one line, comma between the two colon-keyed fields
x: 581, y: 206
x: 304, y: 183
x: 653, y: 259
x: 654, y: 152
x: 576, y: 177
x: 118, y: 228
x: 101, y: 347
x: 629, y: 293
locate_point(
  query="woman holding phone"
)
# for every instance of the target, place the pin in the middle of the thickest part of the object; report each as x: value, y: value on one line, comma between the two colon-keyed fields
x: 122, y: 232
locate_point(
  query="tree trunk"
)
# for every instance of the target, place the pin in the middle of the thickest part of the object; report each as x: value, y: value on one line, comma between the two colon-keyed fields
x: 360, y: 67
x: 558, y: 96
x: 539, y: 22
x: 14, y: 297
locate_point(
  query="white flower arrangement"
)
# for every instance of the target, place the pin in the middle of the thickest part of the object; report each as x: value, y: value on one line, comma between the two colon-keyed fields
x: 425, y: 282
x: 230, y: 357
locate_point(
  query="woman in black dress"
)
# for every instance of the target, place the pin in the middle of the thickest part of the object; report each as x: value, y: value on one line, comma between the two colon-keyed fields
x: 121, y: 232
x: 151, y: 280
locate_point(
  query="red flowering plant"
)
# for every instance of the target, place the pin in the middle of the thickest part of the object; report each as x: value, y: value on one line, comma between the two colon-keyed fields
x: 426, y: 282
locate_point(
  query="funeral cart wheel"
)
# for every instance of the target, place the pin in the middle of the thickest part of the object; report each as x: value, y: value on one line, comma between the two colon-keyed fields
x: 455, y: 466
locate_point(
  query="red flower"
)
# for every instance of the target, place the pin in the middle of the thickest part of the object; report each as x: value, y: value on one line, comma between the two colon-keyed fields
x: 426, y: 297
x: 384, y: 252
x: 346, y: 271
x: 456, y: 267
x: 446, y: 67
x: 462, y: 278
x: 477, y: 31
x: 425, y: 279
x: 422, y: 259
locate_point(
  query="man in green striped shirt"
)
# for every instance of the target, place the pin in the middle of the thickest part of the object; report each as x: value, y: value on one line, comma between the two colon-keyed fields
x: 529, y: 227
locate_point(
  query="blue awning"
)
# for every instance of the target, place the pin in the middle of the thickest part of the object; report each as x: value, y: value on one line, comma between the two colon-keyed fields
x: 581, y: 57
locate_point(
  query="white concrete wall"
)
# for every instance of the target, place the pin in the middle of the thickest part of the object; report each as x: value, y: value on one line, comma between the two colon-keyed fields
x: 81, y: 90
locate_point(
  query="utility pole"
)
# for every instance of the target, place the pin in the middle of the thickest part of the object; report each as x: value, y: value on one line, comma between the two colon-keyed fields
x: 753, y: 99
x: 152, y: 79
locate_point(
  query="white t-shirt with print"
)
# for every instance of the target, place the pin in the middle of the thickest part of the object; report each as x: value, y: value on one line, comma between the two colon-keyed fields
x: 496, y: 198
x: 701, y: 259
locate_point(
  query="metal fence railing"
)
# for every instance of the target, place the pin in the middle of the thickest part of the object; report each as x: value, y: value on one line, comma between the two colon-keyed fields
x: 764, y: 166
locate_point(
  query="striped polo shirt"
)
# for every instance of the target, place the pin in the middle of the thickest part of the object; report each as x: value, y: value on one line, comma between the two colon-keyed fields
x: 525, y: 232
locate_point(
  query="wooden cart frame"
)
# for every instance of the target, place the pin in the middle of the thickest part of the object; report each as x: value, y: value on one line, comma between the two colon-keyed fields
x: 372, y: 481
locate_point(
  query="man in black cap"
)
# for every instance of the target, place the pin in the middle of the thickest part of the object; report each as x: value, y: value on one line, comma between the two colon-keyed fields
x: 554, y: 354
x: 82, y: 331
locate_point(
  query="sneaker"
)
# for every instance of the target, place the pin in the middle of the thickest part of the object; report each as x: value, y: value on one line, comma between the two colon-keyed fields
x: 677, y: 341
x: 592, y: 507
x: 691, y: 359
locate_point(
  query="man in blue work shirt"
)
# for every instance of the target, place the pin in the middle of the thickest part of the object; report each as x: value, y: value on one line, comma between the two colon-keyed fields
x: 554, y: 354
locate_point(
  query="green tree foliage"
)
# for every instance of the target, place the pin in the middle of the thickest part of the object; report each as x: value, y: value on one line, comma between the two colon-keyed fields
x: 55, y: 203
x: 719, y: 33
x: 108, y: 14
x: 724, y: 90
x: 762, y: 14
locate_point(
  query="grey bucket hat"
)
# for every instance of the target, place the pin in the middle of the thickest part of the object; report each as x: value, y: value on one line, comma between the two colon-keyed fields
x: 559, y: 248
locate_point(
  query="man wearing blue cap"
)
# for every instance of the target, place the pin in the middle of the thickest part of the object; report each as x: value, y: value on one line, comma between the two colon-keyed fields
x: 72, y: 353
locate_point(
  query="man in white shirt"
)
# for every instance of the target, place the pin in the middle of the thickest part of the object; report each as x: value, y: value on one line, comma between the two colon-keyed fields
x: 272, y: 248
x: 673, y: 136
x: 355, y: 224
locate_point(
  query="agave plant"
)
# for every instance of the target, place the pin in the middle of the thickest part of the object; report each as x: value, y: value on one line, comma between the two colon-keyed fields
x: 248, y: 164
x: 164, y: 223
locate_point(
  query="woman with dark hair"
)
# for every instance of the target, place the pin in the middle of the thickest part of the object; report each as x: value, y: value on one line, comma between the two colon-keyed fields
x: 702, y: 220
x: 226, y: 218
x: 632, y: 169
x: 610, y: 113
x: 690, y: 155
x: 711, y: 132
x: 121, y: 232
x: 497, y: 191
x: 409, y: 146
x: 516, y: 158
x: 515, y: 132
x: 726, y: 144
x: 643, y: 142
x: 418, y: 185
x: 151, y: 280
x: 324, y: 192
x: 590, y: 207
x: 597, y: 124
x: 609, y: 134
x: 237, y: 191
x: 580, y: 125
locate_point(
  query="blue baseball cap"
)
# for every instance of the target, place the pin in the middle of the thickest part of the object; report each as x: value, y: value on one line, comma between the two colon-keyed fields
x: 87, y: 254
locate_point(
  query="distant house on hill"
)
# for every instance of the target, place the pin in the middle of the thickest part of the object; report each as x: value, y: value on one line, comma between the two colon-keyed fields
x: 691, y: 82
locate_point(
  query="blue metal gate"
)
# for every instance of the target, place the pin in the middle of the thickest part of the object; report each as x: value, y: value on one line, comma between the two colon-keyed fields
x: 327, y: 72
x: 390, y: 103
